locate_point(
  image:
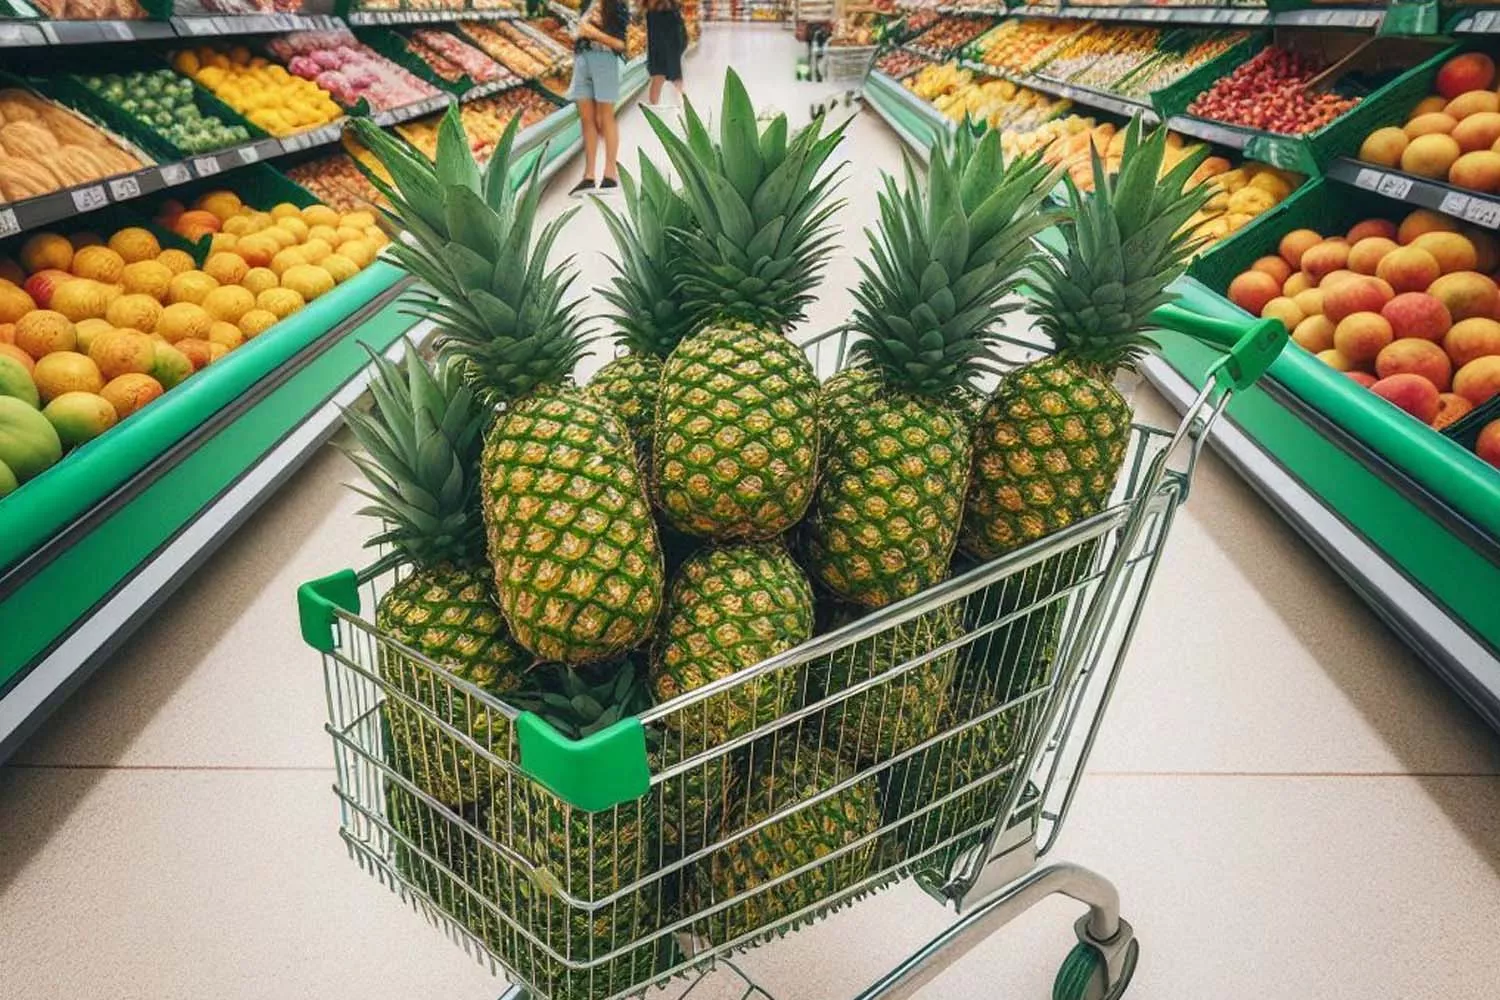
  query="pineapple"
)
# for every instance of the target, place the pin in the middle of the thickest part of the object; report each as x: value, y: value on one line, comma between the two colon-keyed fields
x: 420, y: 451
x: 896, y: 460
x: 577, y: 564
x: 650, y: 312
x: 729, y: 609
x: 735, y: 440
x: 1051, y: 440
x: 791, y: 776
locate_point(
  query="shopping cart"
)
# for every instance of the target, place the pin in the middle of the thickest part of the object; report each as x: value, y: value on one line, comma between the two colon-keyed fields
x: 660, y: 844
x: 846, y: 65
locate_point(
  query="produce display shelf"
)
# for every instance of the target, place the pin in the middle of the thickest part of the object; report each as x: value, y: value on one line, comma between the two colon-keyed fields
x: 1222, y: 16
x: 1479, y: 22
x: 914, y: 120
x: 1103, y: 100
x: 370, y: 18
x: 21, y: 33
x: 1474, y: 207
x: 1406, y: 530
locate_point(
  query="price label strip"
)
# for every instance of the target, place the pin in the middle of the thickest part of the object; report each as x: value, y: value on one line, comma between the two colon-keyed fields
x: 206, y: 166
x: 1395, y: 186
x: 1483, y: 212
x: 1454, y: 203
x: 124, y: 188
x: 89, y: 198
x: 175, y: 173
x: 9, y: 225
x: 1368, y: 179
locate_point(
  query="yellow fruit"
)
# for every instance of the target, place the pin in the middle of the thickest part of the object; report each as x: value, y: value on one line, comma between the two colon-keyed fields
x: 99, y: 264
x: 339, y: 267
x: 46, y: 250
x: 65, y: 371
x: 14, y: 302
x: 228, y: 302
x: 290, y: 257
x: 320, y: 215
x: 359, y: 220
x: 226, y: 268
x: 295, y: 226
x: 44, y: 331
x: 285, y: 210
x: 147, y: 277
x: 281, y: 302
x: 82, y: 299
x: 358, y: 251
x: 377, y: 237
x: 136, y: 311
x: 308, y: 281
x: 223, y: 204
x: 135, y: 244
x: 256, y: 322
x: 176, y: 260
x: 258, y: 279
x: 346, y: 233
x: 283, y: 237
x: 121, y: 352
x: 222, y: 242
x: 89, y: 330
x: 316, y: 250
x: 184, y: 319
x: 239, y: 225
x: 227, y: 334
x: 327, y: 234
x: 191, y: 286
x: 257, y: 249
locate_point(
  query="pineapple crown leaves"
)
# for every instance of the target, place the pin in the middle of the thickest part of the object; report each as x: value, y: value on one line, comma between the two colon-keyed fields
x: 943, y: 260
x: 499, y: 302
x: 646, y: 290
x: 762, y: 232
x: 580, y: 703
x: 1124, y: 245
x: 420, y: 443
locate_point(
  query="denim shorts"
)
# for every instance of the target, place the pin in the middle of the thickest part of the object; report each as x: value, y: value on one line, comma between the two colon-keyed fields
x: 596, y: 77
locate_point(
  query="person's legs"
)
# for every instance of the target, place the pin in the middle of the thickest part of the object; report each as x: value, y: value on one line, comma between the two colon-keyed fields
x: 582, y: 93
x: 654, y: 96
x: 587, y: 117
x: 610, y: 130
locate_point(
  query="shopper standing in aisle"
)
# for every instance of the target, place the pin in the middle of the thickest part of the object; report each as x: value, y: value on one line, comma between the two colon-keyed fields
x: 666, y: 41
x: 598, y: 47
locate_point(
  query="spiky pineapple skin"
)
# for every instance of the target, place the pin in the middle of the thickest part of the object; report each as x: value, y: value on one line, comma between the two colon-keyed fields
x: 891, y: 500
x: 792, y: 776
x: 578, y: 566
x: 449, y: 615
x: 694, y: 802
x: 729, y: 609
x: 734, y: 449
x: 1047, y: 451
x: 902, y: 711
x: 630, y: 383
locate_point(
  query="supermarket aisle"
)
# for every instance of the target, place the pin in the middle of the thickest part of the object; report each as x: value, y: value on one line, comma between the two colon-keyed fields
x: 1291, y: 806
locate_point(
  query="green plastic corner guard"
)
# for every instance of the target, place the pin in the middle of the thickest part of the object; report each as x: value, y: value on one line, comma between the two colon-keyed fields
x: 1250, y: 347
x: 316, y: 601
x: 592, y: 774
x: 58, y: 496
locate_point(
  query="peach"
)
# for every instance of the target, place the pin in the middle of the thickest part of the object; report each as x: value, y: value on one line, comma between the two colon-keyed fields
x: 1431, y: 155
x: 1384, y: 146
x: 1487, y: 445
x: 1421, y: 221
x: 1409, y: 269
x: 1472, y: 338
x: 1284, y: 309
x: 1452, y: 251
x: 1324, y: 258
x: 1335, y: 359
x: 1297, y: 242
x: 1314, y: 334
x: 1346, y: 298
x: 1275, y: 267
x: 1417, y: 314
x: 1478, y: 380
x: 1310, y: 301
x: 1477, y: 132
x: 128, y: 393
x: 1297, y: 283
x: 1371, y: 227
x: 1412, y: 393
x: 1365, y: 255
x: 1252, y: 290
x: 1451, y: 409
x: 1433, y: 123
x: 1472, y: 102
x: 1486, y: 250
x: 1334, y: 277
x: 1463, y: 73
x: 1361, y: 336
x: 1415, y: 356
x: 1427, y: 105
x: 1476, y: 171
x: 1363, y: 378
x: 1466, y: 294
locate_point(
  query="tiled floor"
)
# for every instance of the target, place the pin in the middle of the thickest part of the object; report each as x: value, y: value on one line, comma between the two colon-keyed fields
x: 1292, y: 807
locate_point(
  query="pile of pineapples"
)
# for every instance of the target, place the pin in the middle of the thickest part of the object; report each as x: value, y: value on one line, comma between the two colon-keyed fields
x: 705, y: 504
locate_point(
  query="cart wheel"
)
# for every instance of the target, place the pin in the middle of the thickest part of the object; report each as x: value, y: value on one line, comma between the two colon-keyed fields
x: 1082, y: 976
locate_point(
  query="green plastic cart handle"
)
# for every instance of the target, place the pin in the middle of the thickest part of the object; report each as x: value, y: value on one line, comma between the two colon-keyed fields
x: 316, y: 601
x: 1251, y: 348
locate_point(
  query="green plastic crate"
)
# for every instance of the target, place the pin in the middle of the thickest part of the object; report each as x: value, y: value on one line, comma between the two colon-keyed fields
x: 392, y: 45
x: 1174, y: 98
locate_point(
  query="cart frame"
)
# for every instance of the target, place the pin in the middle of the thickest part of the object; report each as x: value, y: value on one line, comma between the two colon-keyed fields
x: 553, y: 887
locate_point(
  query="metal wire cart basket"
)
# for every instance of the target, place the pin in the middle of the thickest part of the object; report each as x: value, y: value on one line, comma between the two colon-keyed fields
x: 591, y: 869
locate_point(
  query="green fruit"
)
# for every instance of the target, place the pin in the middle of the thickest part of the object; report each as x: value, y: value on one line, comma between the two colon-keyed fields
x: 80, y: 416
x: 171, y: 366
x: 15, y: 381
x: 28, y: 444
x: 8, y: 482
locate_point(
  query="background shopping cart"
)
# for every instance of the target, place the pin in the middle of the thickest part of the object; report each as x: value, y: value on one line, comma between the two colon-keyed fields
x: 590, y: 868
